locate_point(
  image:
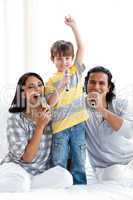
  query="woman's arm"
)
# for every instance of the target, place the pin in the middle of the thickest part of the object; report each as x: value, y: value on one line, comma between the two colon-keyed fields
x: 33, y: 145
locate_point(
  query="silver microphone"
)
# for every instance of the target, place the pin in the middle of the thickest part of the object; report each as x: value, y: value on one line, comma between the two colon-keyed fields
x: 43, y: 101
x: 93, y: 104
x: 67, y: 75
x: 91, y: 101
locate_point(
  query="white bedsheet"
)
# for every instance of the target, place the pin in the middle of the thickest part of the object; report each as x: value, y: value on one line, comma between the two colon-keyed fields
x: 107, y: 190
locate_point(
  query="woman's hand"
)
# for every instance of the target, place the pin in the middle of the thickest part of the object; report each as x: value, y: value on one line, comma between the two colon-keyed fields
x: 43, y: 116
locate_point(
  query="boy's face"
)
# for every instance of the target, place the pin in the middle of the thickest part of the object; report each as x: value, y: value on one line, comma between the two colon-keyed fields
x: 62, y: 62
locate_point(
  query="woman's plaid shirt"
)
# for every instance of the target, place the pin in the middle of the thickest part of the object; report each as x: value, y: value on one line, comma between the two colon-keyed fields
x: 19, y: 131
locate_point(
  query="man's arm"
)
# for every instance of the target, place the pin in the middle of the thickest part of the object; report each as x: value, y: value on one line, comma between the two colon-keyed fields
x: 80, y: 45
x: 114, y: 120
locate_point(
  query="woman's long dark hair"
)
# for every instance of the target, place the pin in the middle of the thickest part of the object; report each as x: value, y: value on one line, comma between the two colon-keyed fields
x: 111, y: 94
x: 19, y: 102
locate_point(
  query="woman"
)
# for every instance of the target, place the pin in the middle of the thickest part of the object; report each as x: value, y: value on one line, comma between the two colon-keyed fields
x: 29, y: 137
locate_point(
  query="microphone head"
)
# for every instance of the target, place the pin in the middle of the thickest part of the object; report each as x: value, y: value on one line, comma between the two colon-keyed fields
x: 92, y: 104
x: 90, y: 99
x: 43, y: 101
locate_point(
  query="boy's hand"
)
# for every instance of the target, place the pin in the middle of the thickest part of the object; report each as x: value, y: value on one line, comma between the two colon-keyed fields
x: 80, y: 45
x: 69, y: 21
x: 63, y: 83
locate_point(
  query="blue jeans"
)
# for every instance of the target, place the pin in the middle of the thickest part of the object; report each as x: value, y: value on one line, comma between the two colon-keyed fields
x: 71, y: 142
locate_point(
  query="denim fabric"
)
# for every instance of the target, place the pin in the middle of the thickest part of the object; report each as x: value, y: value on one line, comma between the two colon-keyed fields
x: 71, y: 143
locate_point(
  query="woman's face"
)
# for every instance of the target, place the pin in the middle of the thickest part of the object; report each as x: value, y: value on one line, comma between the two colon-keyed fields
x: 33, y: 89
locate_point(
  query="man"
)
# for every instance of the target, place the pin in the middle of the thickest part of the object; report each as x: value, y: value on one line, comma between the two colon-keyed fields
x: 109, y: 129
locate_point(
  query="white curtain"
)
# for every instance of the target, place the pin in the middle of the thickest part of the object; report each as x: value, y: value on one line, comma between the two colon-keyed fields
x: 2, y: 42
x: 106, y: 27
x: 12, y: 50
x: 29, y: 27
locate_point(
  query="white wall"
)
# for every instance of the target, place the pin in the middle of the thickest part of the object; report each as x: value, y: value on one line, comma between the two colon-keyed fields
x: 29, y: 27
x: 106, y: 27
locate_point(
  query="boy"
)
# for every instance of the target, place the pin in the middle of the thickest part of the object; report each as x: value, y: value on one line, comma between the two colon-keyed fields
x: 69, y: 111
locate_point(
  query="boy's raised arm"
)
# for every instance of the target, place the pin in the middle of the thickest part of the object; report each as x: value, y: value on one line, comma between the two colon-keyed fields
x: 80, y: 45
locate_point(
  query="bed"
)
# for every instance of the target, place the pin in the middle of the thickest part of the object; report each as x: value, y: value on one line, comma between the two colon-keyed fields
x: 94, y: 190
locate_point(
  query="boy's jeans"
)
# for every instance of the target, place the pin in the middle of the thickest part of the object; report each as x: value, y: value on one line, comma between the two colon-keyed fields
x: 71, y: 142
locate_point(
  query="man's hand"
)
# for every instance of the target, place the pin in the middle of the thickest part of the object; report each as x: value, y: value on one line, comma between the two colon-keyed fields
x: 96, y: 99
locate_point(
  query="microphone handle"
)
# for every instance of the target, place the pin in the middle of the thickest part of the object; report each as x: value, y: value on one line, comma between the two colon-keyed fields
x: 43, y: 102
x: 66, y: 74
x: 67, y: 87
x: 93, y: 104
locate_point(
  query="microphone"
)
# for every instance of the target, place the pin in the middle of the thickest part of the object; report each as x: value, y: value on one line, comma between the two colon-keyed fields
x: 93, y: 104
x: 91, y: 101
x: 67, y: 75
x: 43, y: 101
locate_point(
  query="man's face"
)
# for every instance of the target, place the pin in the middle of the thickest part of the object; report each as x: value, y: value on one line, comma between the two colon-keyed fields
x: 98, y: 82
x: 62, y: 62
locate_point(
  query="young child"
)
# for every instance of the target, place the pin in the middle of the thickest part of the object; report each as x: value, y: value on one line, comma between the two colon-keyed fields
x: 67, y: 100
